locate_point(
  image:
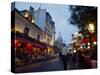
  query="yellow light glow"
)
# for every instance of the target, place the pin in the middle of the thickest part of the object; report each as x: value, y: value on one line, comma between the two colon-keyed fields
x: 81, y: 47
x: 88, y: 47
x: 94, y: 43
x: 91, y: 27
x: 26, y: 15
x: 74, y: 51
x: 76, y: 33
x: 18, y: 29
x: 88, y: 43
x: 49, y: 50
x: 80, y: 34
x: 75, y: 40
x: 32, y: 21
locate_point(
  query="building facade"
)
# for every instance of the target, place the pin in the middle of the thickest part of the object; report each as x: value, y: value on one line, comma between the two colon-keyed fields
x: 47, y: 25
x: 25, y: 24
x: 29, y: 37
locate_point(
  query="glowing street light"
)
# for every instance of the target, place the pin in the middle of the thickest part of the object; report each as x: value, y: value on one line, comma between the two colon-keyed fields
x: 88, y: 47
x: 26, y: 15
x: 74, y: 51
x: 81, y: 47
x: 79, y: 34
x: 88, y: 43
x: 32, y: 21
x: 91, y: 28
x: 76, y: 33
x: 94, y: 43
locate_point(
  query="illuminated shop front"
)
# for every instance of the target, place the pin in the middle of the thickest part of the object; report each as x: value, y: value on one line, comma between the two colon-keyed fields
x: 28, y: 41
x: 32, y: 47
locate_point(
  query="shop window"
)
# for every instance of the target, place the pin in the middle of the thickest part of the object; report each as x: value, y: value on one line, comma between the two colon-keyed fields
x: 26, y: 14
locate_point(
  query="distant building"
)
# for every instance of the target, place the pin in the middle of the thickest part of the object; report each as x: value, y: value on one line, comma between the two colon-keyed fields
x: 59, y: 44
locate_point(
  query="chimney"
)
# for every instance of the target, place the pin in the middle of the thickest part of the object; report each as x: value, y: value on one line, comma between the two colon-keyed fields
x: 31, y: 9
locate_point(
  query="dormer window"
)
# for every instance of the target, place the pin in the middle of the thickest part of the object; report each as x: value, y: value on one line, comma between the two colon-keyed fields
x: 29, y: 17
x: 32, y: 21
x: 26, y: 15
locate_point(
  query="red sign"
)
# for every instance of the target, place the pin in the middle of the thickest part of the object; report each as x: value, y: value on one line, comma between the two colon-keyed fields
x: 94, y: 39
x: 17, y: 43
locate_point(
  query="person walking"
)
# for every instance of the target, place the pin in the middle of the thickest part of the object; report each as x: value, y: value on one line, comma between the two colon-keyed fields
x: 69, y: 60
x: 81, y: 60
x: 64, y: 59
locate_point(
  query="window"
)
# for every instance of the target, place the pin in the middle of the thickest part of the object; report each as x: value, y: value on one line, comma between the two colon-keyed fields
x: 26, y: 15
x: 38, y: 37
x: 26, y: 31
x: 32, y: 21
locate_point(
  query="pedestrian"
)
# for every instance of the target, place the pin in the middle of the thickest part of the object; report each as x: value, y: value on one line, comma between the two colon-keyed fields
x: 64, y: 59
x: 81, y: 60
x: 69, y: 60
x: 75, y: 60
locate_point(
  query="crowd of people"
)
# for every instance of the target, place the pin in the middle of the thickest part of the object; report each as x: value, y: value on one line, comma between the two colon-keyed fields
x: 70, y: 60
x: 77, y: 60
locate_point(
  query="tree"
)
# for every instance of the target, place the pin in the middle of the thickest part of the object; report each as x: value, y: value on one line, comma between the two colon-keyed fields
x: 83, y: 15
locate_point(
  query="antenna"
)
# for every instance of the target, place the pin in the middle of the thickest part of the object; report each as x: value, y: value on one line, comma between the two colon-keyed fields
x: 38, y: 12
x: 40, y: 5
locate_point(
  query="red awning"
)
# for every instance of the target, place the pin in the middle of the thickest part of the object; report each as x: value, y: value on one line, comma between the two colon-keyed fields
x: 85, y: 40
x: 35, y: 44
x: 29, y: 47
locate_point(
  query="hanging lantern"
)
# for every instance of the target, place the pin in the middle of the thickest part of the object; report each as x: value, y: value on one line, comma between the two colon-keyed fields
x: 91, y: 28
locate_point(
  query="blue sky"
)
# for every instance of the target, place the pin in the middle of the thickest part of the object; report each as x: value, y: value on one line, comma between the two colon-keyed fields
x: 60, y: 15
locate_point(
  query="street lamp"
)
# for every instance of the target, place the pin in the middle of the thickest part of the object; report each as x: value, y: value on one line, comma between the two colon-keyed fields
x: 94, y: 43
x: 74, y: 51
x: 88, y: 43
x: 81, y: 47
x: 91, y: 28
x: 88, y: 47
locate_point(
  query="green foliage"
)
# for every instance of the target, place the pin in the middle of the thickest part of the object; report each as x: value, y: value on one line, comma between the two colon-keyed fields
x: 82, y: 15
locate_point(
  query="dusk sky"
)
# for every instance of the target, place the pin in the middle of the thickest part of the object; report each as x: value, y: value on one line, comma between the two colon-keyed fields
x: 60, y: 15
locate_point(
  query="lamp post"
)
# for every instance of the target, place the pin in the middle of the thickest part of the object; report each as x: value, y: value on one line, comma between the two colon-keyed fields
x: 91, y: 29
x: 74, y: 40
